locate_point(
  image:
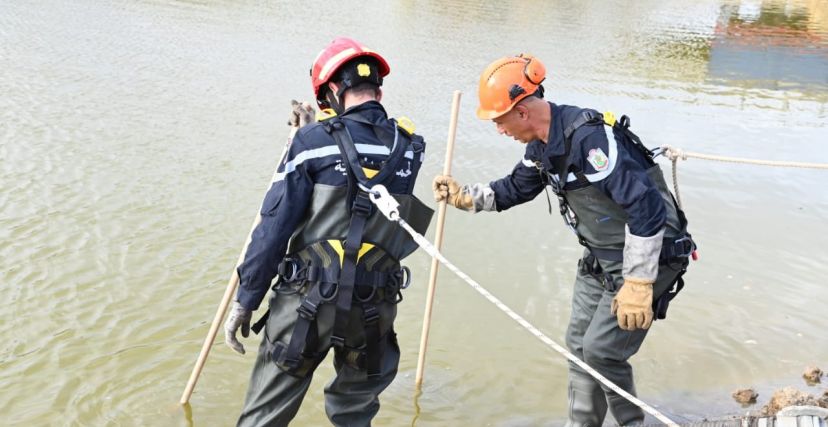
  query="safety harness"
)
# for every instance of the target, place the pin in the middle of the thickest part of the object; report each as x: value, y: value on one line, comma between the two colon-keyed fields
x: 328, y: 272
x: 674, y: 250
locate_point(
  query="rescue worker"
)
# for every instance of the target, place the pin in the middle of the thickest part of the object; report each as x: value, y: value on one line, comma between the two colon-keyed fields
x: 613, y: 196
x: 336, y: 256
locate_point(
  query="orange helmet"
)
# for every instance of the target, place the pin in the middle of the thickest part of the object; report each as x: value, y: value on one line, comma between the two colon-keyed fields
x: 331, y: 59
x: 507, y: 81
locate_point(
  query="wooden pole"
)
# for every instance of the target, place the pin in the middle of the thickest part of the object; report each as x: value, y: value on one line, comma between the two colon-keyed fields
x: 225, y: 300
x: 438, y: 241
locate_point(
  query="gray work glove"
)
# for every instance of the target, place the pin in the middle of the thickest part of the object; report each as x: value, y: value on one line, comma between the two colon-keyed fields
x: 238, y: 316
x: 301, y: 114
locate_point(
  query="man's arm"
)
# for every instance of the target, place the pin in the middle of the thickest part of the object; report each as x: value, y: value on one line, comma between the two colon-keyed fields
x: 282, y: 209
x: 520, y: 186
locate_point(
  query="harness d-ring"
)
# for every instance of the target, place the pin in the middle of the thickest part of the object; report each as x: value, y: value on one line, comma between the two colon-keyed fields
x: 370, y: 296
x: 405, y: 280
x: 295, y: 270
x: 332, y: 296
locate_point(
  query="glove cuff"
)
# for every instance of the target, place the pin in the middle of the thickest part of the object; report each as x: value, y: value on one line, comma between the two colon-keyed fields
x: 641, y: 255
x: 637, y: 281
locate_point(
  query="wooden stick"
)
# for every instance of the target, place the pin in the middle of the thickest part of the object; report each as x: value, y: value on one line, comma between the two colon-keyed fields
x: 438, y: 241
x: 228, y: 296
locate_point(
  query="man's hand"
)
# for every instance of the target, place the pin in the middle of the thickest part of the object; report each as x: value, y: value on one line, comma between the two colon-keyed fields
x: 634, y: 305
x: 446, y: 188
x: 301, y: 114
x: 238, y: 317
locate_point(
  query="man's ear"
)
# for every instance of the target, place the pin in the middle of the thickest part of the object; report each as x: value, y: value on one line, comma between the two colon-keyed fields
x: 333, y: 87
x: 379, y: 95
x: 522, y: 111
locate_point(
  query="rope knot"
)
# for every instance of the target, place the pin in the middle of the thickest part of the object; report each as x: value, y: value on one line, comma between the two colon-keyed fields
x: 674, y: 153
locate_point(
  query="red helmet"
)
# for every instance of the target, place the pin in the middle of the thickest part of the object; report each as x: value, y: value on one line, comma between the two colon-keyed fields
x: 328, y: 62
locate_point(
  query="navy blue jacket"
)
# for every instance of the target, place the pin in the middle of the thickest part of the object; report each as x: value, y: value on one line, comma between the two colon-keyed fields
x: 624, y: 179
x: 312, y: 158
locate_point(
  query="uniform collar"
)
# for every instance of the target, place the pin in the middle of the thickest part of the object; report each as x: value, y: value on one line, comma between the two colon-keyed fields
x: 555, y: 141
x: 372, y: 110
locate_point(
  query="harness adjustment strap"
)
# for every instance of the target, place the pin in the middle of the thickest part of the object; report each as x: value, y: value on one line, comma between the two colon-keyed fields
x: 679, y: 248
x: 304, y: 339
x: 257, y: 327
x: 374, y: 352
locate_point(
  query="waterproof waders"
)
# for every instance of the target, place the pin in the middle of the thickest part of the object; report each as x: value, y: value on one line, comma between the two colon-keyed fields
x: 337, y: 289
x: 593, y: 334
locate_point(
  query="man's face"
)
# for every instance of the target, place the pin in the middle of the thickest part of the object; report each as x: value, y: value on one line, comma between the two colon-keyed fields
x: 515, y: 123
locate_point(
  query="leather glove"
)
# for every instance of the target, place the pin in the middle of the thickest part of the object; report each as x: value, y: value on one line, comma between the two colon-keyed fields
x: 446, y: 188
x: 634, y: 304
x: 238, y: 317
x: 301, y: 114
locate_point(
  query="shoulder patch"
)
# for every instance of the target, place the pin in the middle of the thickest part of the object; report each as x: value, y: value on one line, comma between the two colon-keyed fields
x: 598, y: 159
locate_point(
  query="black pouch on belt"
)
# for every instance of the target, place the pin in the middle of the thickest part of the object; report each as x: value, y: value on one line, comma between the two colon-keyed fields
x: 661, y: 305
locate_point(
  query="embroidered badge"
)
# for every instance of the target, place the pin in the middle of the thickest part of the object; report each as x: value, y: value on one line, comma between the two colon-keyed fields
x: 598, y: 159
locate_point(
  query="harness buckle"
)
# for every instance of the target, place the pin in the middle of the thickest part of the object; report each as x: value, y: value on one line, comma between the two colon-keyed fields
x: 362, y: 205
x: 686, y: 247
x: 337, y: 341
x: 312, y: 274
x: 307, y: 310
x: 609, y: 282
x: 370, y: 314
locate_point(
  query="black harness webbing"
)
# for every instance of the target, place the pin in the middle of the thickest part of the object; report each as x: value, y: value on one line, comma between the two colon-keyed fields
x: 293, y: 357
x: 681, y: 247
x: 678, y: 250
x: 305, y: 334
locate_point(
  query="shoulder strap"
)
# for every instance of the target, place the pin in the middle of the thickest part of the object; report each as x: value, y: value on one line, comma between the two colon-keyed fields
x: 584, y: 117
x: 624, y: 126
x: 387, y: 137
x: 348, y: 150
x: 561, y: 163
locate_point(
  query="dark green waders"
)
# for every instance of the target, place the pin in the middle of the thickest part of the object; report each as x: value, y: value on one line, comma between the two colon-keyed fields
x: 338, y: 288
x: 593, y: 336
x: 274, y: 396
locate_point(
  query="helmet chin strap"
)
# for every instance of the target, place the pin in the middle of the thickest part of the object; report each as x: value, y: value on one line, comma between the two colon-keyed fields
x: 334, y: 101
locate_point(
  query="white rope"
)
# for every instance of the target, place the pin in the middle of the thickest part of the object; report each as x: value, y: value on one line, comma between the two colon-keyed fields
x: 432, y: 250
x: 677, y: 153
x: 674, y: 154
x: 388, y: 206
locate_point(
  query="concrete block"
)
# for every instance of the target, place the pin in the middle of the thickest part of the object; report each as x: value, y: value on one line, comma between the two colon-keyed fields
x: 801, y: 411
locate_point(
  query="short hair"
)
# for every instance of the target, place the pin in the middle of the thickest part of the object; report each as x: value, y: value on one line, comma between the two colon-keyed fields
x: 365, y: 88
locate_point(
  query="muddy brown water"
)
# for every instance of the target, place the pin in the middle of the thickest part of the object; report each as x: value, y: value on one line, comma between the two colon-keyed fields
x: 137, y: 138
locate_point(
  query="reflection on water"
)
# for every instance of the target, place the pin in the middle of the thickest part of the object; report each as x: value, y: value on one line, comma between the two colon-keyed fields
x: 136, y: 139
x: 774, y: 45
x: 770, y: 44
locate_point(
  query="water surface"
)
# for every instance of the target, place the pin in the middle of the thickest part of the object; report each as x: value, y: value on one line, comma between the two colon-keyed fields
x: 137, y: 139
